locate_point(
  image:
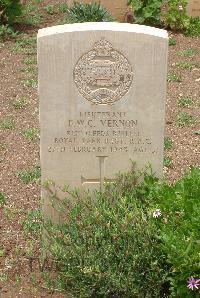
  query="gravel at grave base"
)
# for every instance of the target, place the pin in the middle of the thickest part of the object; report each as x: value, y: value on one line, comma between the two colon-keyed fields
x: 186, y: 144
x: 19, y: 154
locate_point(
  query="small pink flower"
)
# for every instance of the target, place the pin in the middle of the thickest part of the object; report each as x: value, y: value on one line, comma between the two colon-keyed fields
x: 193, y: 283
x: 157, y: 213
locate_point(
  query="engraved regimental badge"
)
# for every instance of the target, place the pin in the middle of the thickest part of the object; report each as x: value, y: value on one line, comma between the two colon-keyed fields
x: 103, y: 75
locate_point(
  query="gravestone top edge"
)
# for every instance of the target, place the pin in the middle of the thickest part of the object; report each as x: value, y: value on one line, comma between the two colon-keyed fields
x: 103, y: 26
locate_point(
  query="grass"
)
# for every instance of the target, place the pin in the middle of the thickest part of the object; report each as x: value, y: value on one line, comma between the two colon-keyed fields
x: 24, y: 43
x: 31, y: 133
x: 32, y: 223
x: 63, y: 7
x: 30, y: 51
x: 30, y: 61
x: 188, y: 53
x: 185, y: 102
x: 3, y: 199
x: 2, y: 147
x: 7, y: 124
x: 167, y: 161
x: 30, y: 7
x: 168, y: 144
x: 19, y: 102
x: 10, y: 213
x: 30, y: 83
x: 172, y: 41
x: 186, y: 65
x: 50, y: 9
x: 29, y: 69
x: 185, y: 119
x: 174, y: 78
x: 2, y: 252
x: 30, y: 176
x: 34, y: 19
x: 3, y: 277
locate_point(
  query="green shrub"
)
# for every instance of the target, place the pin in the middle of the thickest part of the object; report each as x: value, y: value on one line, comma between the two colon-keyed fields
x: 107, y: 248
x: 179, y: 235
x: 176, y: 15
x: 146, y: 11
x: 131, y: 241
x: 30, y: 176
x: 149, y: 12
x: 10, y: 10
x: 33, y: 222
x: 194, y: 27
x: 84, y: 12
x: 7, y: 32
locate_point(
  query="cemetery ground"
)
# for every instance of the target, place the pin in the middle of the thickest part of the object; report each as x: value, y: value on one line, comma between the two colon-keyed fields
x: 20, y: 261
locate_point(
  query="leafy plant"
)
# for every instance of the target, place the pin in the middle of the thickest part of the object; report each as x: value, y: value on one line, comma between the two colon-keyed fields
x: 178, y: 230
x: 194, y: 27
x: 63, y: 7
x: 33, y: 222
x: 30, y: 176
x: 87, y: 12
x: 105, y: 250
x: 131, y: 241
x: 176, y: 16
x: 146, y: 11
x: 172, y: 41
x: 167, y: 161
x: 50, y: 9
x: 10, y: 10
x: 185, y: 119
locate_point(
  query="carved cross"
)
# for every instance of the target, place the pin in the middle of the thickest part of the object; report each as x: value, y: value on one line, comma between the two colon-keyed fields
x: 101, y: 179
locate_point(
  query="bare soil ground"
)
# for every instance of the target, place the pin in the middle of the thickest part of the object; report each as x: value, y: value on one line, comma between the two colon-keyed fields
x: 20, y: 275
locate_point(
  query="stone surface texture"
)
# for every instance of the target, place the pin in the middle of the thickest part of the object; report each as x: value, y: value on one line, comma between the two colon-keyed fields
x: 194, y: 8
x: 102, y: 90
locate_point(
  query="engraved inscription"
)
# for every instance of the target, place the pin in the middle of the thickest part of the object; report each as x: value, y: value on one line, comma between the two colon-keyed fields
x: 101, y: 180
x: 104, y: 133
x: 103, y: 75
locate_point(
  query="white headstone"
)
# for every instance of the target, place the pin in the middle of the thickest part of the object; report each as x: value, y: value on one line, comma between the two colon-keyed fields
x: 102, y: 90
